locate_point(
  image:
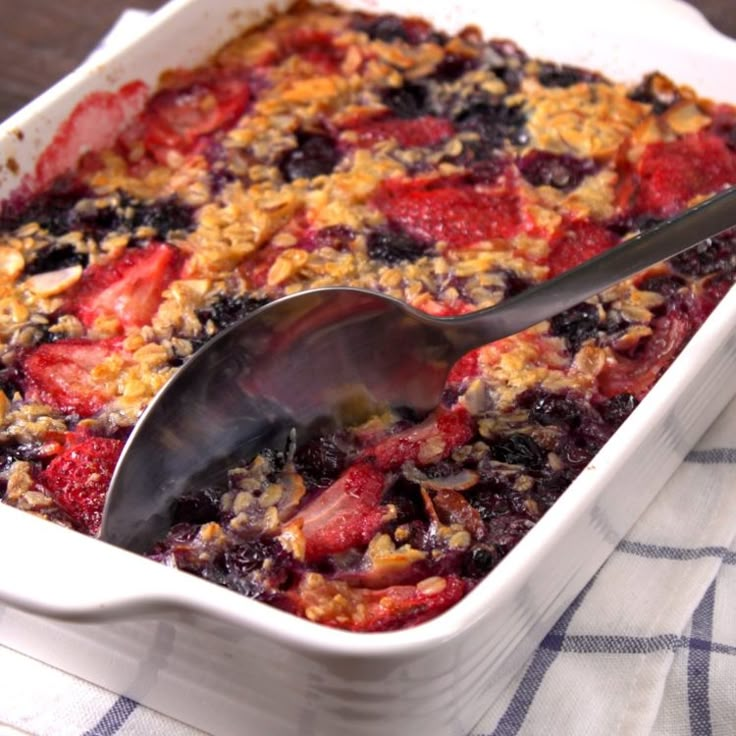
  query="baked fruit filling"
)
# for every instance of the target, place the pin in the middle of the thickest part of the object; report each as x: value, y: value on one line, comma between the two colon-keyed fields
x: 333, y: 148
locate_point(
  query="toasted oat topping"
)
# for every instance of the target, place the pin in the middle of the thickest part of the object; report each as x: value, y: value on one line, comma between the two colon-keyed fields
x: 331, y: 148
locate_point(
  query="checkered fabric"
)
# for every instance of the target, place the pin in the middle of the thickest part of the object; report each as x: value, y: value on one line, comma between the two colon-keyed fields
x: 647, y: 649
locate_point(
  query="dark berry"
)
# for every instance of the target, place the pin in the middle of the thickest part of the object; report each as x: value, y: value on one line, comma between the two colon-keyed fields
x: 452, y: 67
x: 386, y: 28
x: 479, y: 560
x: 394, y: 246
x: 560, y: 171
x: 553, y: 409
x: 409, y: 101
x: 52, y: 209
x: 655, y: 92
x: 315, y: 155
x: 576, y: 325
x: 54, y: 257
x: 320, y: 461
x: 665, y: 285
x: 714, y: 254
x: 230, y: 309
x: 494, y: 121
x: 164, y: 216
x: 562, y: 75
x: 618, y: 408
x: 505, y: 532
x: 514, y: 285
x: 519, y: 449
x: 198, y: 508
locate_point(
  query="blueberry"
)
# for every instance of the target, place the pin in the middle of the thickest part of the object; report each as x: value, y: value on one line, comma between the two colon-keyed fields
x: 55, y: 257
x: 562, y: 75
x: 320, y: 461
x: 409, y: 101
x: 560, y: 171
x: 394, y: 246
x: 519, y: 449
x: 515, y: 285
x: 576, y: 325
x: 315, y: 155
x: 479, y: 560
x: 230, y: 309
x: 618, y: 408
x: 494, y: 121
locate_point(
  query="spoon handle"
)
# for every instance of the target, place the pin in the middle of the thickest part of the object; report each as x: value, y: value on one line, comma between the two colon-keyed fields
x: 665, y: 240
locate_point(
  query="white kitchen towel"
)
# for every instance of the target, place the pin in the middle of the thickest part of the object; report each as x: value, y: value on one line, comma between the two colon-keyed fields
x: 648, y: 648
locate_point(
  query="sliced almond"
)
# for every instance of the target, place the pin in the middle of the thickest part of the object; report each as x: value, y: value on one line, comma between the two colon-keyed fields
x: 54, y: 282
x: 12, y: 263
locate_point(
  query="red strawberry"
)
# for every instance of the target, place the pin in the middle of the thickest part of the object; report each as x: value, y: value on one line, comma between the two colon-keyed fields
x: 575, y: 242
x: 128, y: 288
x: 78, y: 479
x: 450, y: 209
x: 671, y: 174
x: 58, y: 374
x: 637, y: 376
x: 335, y: 603
x: 193, y: 104
x: 422, y: 131
x: 439, y: 436
x: 345, y: 515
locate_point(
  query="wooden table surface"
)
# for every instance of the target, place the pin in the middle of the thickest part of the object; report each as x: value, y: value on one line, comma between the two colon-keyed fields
x: 42, y: 40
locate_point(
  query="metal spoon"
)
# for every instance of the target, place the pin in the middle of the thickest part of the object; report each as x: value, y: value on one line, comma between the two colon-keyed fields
x: 332, y: 356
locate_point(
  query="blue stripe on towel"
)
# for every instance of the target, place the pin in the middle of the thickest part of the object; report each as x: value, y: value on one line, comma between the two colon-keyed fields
x: 113, y: 720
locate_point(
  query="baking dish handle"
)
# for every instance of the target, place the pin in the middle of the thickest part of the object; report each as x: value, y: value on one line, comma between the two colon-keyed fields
x: 50, y: 571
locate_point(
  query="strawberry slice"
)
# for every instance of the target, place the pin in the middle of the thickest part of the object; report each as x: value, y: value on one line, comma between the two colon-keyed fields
x: 79, y: 477
x: 637, y: 376
x: 345, y: 515
x: 450, y: 209
x: 336, y: 603
x: 59, y: 374
x: 128, y: 288
x: 423, y: 131
x: 193, y: 104
x: 671, y: 174
x: 576, y: 241
x: 428, y: 442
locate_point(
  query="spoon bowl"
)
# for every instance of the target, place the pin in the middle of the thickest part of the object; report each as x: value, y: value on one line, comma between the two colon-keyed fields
x: 332, y: 357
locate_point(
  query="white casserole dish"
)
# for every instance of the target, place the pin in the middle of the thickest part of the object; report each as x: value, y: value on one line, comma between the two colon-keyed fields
x: 230, y: 665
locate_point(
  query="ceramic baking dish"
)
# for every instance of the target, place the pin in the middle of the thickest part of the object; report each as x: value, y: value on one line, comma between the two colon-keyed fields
x: 230, y: 665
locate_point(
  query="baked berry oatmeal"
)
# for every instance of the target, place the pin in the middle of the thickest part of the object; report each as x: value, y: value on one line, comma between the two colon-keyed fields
x: 332, y: 148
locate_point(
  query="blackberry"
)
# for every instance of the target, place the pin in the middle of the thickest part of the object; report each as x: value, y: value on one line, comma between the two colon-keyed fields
x: 386, y: 28
x: 576, y: 325
x: 198, y: 508
x: 479, y: 560
x: 230, y: 309
x: 493, y: 120
x: 618, y: 408
x: 650, y: 92
x: 409, y: 101
x: 164, y: 216
x: 665, y: 285
x: 713, y: 254
x: 315, y: 155
x: 394, y: 246
x: 552, y: 409
x: 452, y: 67
x: 320, y: 461
x: 519, y: 449
x: 52, y: 209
